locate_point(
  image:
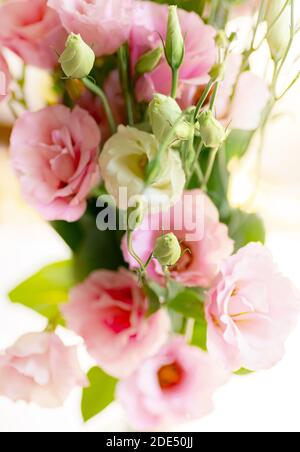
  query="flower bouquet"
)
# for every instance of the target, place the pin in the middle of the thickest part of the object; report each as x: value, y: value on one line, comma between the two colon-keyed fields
x: 170, y: 288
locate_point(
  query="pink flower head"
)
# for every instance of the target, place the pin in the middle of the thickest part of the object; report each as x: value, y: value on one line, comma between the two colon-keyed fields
x: 39, y: 368
x: 150, y: 24
x: 33, y: 31
x: 250, y: 311
x: 175, y: 385
x: 55, y: 153
x: 204, y: 240
x: 5, y: 78
x: 103, y: 24
x: 242, y: 111
x: 109, y: 311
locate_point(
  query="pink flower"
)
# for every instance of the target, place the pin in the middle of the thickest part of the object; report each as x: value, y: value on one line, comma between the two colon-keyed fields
x: 39, y: 368
x: 195, y: 222
x: 247, y: 8
x: 175, y: 385
x: 5, y: 78
x: 33, y: 31
x: 250, y: 311
x: 55, y: 153
x: 103, y: 24
x: 109, y: 311
x: 150, y: 24
x: 244, y: 110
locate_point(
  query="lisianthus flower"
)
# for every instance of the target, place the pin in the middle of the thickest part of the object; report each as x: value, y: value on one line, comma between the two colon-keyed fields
x: 108, y: 310
x: 33, y: 31
x: 55, y: 154
x: 39, y: 368
x: 149, y: 26
x: 204, y: 240
x: 5, y: 78
x: 251, y: 310
x: 175, y: 385
x: 103, y: 24
x: 123, y: 163
x: 241, y: 98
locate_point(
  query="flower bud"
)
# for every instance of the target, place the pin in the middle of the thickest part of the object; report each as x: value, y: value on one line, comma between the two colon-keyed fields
x: 217, y: 72
x: 174, y: 41
x: 212, y: 132
x: 77, y: 60
x: 149, y: 61
x: 167, y: 250
x: 279, y: 35
x: 221, y: 39
x: 164, y: 112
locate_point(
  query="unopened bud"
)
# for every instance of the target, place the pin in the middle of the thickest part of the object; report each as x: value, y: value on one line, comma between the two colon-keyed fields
x: 164, y: 112
x: 212, y: 132
x: 217, y: 72
x: 279, y: 35
x: 167, y: 250
x: 77, y: 60
x: 174, y: 41
x: 221, y: 39
x: 149, y: 61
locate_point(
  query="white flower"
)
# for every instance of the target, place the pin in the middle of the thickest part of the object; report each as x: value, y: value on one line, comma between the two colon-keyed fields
x: 123, y: 164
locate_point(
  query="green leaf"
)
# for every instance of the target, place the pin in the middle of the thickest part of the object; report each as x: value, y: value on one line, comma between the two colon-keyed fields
x: 200, y: 335
x: 245, y: 228
x: 46, y: 290
x: 155, y: 295
x: 238, y: 143
x: 99, y: 394
x: 189, y: 303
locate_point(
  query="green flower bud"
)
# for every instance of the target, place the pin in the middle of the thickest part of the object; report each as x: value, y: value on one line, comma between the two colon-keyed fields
x: 279, y: 36
x: 217, y: 72
x: 174, y: 42
x: 77, y: 60
x: 212, y: 132
x: 167, y: 250
x: 221, y: 39
x: 149, y: 61
x: 164, y: 112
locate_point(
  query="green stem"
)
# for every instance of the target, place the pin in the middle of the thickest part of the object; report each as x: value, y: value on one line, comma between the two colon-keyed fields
x: 203, y: 98
x: 124, y: 76
x: 100, y: 93
x: 214, y: 96
x: 133, y: 253
x: 212, y: 158
x: 175, y: 78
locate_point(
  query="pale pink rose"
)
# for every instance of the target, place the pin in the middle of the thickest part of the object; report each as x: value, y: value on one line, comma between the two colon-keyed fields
x: 55, y: 153
x: 108, y: 310
x: 150, y: 24
x: 33, y: 31
x: 5, y: 78
x: 103, y: 24
x: 250, y: 311
x: 39, y: 368
x: 195, y: 222
x: 244, y: 110
x: 113, y: 91
x: 174, y: 386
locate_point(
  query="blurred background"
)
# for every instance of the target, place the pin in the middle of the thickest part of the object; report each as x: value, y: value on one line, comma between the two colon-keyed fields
x: 268, y: 401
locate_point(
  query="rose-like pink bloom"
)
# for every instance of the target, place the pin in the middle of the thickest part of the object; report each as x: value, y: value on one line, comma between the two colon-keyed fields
x: 150, y: 24
x: 33, y: 31
x: 55, y: 153
x: 5, y: 78
x: 113, y: 91
x: 243, y: 110
x: 205, y: 241
x: 108, y: 310
x: 103, y: 24
x: 250, y: 311
x: 174, y: 386
x: 39, y: 368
